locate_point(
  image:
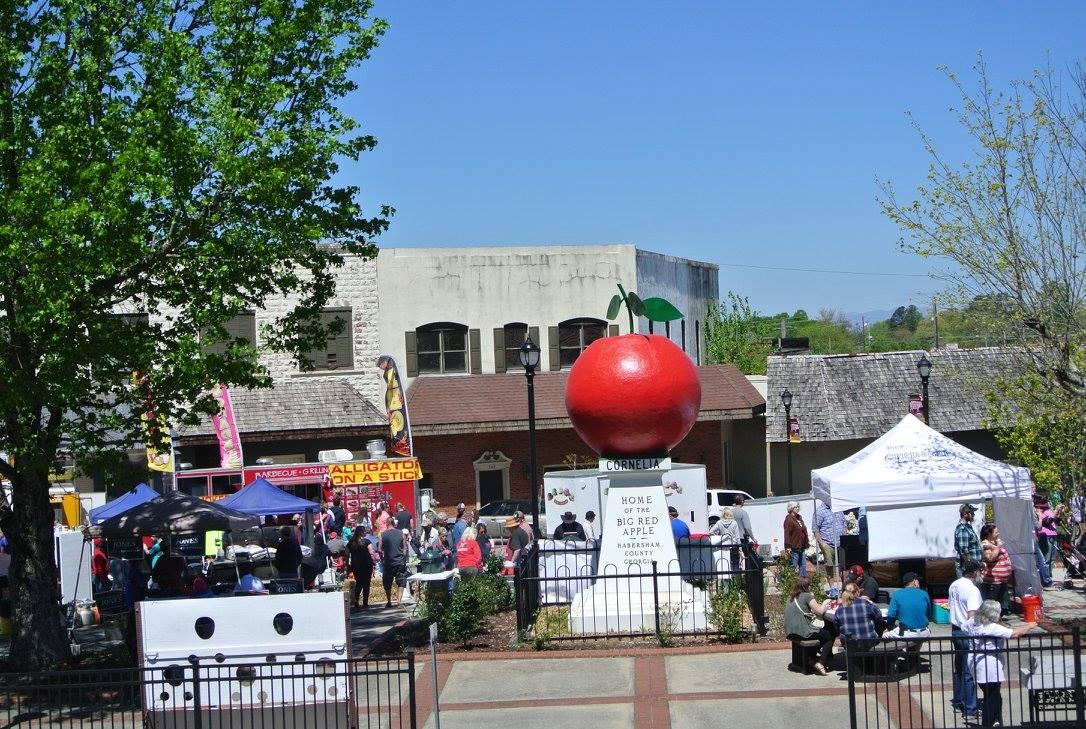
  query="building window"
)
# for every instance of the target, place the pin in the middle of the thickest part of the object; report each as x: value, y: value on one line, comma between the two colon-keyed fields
x: 507, y: 343
x: 576, y: 334
x: 667, y: 329
x: 697, y: 342
x: 240, y: 329
x: 513, y: 336
x: 442, y: 348
x: 650, y: 327
x: 135, y: 320
x: 338, y: 352
x: 682, y: 332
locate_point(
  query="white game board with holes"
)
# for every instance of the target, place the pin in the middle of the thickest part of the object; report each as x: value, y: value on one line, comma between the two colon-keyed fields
x: 255, y: 654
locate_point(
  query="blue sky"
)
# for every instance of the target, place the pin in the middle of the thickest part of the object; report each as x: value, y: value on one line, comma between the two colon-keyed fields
x: 733, y: 133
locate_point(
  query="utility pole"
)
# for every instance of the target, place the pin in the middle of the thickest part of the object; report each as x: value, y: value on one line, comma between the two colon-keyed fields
x: 935, y: 318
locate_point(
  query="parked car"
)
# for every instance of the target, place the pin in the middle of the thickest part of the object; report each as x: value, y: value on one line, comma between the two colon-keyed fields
x: 495, y: 514
x: 717, y: 498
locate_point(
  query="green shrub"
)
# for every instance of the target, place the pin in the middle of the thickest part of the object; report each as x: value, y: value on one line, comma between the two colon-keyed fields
x: 727, y: 608
x: 551, y: 621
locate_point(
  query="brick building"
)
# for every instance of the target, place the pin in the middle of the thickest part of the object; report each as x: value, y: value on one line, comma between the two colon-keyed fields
x: 471, y: 433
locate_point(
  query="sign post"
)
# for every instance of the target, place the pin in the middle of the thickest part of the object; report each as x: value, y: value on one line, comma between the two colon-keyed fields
x: 433, y: 665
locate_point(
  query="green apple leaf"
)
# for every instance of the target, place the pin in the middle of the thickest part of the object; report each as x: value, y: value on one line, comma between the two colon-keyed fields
x: 637, y: 307
x: 613, y: 307
x: 657, y: 309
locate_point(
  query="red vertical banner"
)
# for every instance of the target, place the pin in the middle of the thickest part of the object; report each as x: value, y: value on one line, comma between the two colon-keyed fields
x: 226, y: 429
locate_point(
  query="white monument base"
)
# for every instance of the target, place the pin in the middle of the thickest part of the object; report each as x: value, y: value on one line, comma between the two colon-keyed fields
x: 636, y: 533
x: 611, y: 609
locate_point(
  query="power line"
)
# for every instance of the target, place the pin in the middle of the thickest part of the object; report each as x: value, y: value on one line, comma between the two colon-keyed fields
x: 825, y: 270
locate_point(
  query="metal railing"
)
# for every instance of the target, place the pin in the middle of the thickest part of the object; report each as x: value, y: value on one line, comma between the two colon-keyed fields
x: 1032, y: 681
x: 215, y: 693
x: 550, y: 579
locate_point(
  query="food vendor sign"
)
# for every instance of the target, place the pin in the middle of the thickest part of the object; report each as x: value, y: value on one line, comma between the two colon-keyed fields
x: 364, y: 473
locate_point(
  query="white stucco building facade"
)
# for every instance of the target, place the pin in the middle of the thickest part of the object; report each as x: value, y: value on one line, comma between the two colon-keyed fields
x: 476, y: 304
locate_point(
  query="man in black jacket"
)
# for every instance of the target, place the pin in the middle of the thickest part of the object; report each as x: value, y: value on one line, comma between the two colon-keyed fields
x: 288, y: 554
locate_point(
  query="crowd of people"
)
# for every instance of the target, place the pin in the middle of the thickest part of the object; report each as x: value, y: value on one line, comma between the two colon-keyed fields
x: 977, y: 600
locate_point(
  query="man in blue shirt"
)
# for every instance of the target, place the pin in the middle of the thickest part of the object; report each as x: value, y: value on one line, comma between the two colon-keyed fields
x: 679, y: 529
x: 828, y: 528
x: 909, y: 606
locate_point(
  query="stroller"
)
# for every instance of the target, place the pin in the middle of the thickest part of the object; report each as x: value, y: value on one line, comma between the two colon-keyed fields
x: 1072, y: 557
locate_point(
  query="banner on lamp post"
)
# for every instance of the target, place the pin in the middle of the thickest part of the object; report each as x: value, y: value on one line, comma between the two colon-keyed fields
x: 916, y: 406
x: 793, y: 430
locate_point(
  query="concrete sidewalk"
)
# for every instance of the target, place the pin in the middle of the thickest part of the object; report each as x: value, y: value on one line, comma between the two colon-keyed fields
x: 654, y: 689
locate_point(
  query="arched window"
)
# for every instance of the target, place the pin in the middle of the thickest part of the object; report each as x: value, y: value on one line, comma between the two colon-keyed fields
x: 442, y: 348
x: 576, y: 334
x: 507, y: 342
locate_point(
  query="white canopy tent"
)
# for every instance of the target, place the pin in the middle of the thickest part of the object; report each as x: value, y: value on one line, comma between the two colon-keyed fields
x: 909, y: 481
x: 912, y: 465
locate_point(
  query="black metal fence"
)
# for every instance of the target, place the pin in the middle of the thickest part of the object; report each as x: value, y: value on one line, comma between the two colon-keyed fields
x: 1033, y: 681
x: 216, y: 693
x: 550, y: 586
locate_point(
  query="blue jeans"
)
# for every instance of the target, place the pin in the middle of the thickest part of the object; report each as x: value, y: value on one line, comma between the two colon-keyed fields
x: 799, y: 559
x: 965, y: 688
x: 1042, y: 565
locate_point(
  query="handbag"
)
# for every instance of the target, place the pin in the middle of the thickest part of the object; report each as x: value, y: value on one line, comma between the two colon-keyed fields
x: 816, y: 623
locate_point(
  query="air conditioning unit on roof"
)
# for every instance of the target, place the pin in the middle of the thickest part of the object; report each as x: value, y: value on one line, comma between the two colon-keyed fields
x: 335, y: 456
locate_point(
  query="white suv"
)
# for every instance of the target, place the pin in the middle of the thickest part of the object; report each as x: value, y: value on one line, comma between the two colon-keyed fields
x: 715, y: 499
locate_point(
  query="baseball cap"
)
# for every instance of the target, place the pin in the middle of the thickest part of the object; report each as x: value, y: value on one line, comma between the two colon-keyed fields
x: 967, y: 507
x: 909, y: 577
x: 672, y: 510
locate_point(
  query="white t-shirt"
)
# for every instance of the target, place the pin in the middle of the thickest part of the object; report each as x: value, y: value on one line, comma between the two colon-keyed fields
x: 986, y: 653
x: 963, y: 597
x: 249, y: 583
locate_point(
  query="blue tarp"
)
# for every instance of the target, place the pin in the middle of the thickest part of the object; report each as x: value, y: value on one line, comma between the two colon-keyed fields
x: 262, y: 497
x: 141, y: 494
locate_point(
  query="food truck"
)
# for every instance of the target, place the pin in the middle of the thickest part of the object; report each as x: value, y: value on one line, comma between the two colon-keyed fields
x: 360, y: 484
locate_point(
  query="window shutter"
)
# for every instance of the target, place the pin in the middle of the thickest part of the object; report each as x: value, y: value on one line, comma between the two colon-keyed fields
x: 338, y: 353
x: 612, y: 330
x: 412, y: 354
x: 555, y: 353
x: 476, y: 356
x: 533, y: 332
x: 499, y: 349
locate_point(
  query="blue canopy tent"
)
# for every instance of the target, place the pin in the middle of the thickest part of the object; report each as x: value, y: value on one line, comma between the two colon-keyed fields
x: 140, y: 494
x: 262, y: 498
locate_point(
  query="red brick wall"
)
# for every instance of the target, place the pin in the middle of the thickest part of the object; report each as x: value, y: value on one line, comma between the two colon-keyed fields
x: 449, y: 458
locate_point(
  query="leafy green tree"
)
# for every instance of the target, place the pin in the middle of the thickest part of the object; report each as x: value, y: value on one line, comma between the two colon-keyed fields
x: 175, y: 158
x: 1046, y: 434
x: 735, y: 333
x: 1010, y: 220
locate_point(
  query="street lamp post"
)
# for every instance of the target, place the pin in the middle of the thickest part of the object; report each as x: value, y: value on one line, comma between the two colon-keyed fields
x: 786, y: 400
x: 924, y: 368
x: 529, y: 358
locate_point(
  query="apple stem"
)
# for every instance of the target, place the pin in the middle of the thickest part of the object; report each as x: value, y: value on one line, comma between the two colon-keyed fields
x: 629, y: 311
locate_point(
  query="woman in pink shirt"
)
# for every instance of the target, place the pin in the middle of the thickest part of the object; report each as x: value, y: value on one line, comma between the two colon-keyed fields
x: 469, y: 558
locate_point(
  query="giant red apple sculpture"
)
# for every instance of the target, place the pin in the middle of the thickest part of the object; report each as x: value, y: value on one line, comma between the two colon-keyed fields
x: 637, y: 394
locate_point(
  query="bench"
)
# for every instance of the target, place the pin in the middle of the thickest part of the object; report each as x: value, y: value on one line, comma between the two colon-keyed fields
x: 804, y: 654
